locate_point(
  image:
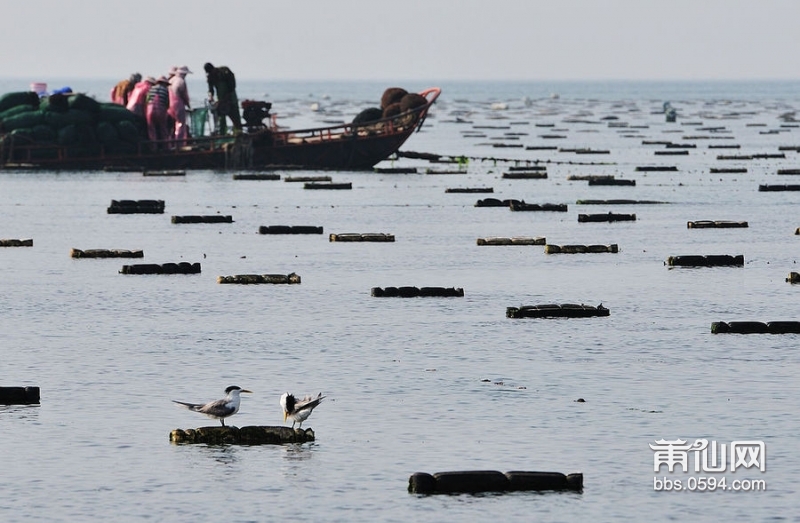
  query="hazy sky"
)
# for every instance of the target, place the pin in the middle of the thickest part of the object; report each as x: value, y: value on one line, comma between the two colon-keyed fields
x: 404, y: 40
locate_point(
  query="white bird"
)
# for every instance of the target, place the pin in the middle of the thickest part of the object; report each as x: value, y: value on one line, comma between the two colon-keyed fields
x: 218, y: 409
x: 299, y: 410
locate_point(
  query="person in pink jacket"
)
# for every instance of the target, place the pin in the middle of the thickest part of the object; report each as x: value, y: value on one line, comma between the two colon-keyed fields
x: 157, y: 105
x: 178, y: 103
x: 137, y: 100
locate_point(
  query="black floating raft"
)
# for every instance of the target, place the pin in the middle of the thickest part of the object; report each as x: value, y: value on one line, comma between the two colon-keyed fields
x: 289, y: 229
x: 788, y: 171
x: 165, y: 268
x: 494, y: 202
x: 580, y: 249
x: 711, y: 260
x: 307, y: 179
x: 136, y: 207
x: 474, y: 481
x: 330, y: 186
x: 515, y: 205
x: 250, y: 435
x: 552, y: 310
x: 106, y: 253
x: 525, y: 175
x: 776, y: 188
x: 469, y: 190
x: 611, y: 181
x: 755, y: 327
x: 255, y: 176
x: 715, y: 224
x: 19, y: 395
x: 396, y: 170
x: 607, y: 217
x: 656, y: 168
x: 727, y: 170
x: 361, y: 237
x: 209, y: 218
x: 13, y: 242
x: 246, y: 279
x: 514, y: 240
x: 414, y: 292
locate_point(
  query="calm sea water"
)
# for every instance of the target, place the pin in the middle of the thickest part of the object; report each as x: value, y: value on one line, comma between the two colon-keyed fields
x: 413, y: 384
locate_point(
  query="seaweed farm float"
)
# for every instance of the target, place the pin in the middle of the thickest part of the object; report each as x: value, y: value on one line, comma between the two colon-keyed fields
x: 73, y: 131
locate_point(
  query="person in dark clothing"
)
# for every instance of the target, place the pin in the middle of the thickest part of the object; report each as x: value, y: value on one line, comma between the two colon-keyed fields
x: 222, y: 81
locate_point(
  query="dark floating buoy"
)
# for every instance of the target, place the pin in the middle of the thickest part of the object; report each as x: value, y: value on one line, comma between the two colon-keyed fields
x: 755, y: 327
x: 711, y: 260
x: 164, y: 173
x: 525, y: 175
x: 414, y: 292
x: 210, y: 218
x: 19, y: 395
x: 518, y: 206
x: 469, y: 190
x: 254, y: 176
x: 514, y: 240
x: 329, y: 186
x: 607, y: 217
x: 289, y: 229
x: 136, y: 207
x: 580, y: 249
x: 775, y: 188
x: 248, y: 279
x: 12, y: 242
x: 727, y: 170
x: 250, y: 435
x: 612, y: 181
x: 715, y: 224
x: 307, y: 179
x: 165, y: 268
x: 474, y: 481
x: 794, y: 277
x: 106, y: 253
x: 361, y: 237
x: 553, y: 310
x: 656, y: 168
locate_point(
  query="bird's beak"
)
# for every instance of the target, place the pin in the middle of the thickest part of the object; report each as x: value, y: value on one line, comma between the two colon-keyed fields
x: 247, y: 391
x: 285, y: 415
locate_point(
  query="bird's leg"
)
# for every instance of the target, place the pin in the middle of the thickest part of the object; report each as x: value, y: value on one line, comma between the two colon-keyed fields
x: 222, y: 421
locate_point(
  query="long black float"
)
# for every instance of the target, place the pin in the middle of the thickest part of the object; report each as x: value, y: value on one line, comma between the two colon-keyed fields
x: 711, y: 260
x: 515, y: 205
x: 755, y: 327
x: 474, y: 481
x: 249, y: 279
x: 289, y: 229
x: 417, y: 292
x: 106, y: 253
x: 580, y: 249
x: 250, y: 435
x: 136, y: 207
x: 210, y: 218
x: 716, y: 224
x: 553, y: 310
x: 361, y: 237
x: 14, y: 242
x: 19, y: 395
x: 607, y: 217
x: 164, y: 268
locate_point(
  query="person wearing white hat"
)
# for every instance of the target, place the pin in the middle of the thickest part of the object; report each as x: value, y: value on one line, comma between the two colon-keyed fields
x: 178, y: 103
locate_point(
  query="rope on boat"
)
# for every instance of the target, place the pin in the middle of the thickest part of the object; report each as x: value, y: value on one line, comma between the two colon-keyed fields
x: 239, y: 154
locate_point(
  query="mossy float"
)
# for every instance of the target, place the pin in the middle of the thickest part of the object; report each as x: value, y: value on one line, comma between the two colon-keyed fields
x: 711, y: 260
x: 715, y: 224
x: 580, y: 249
x: 362, y: 237
x: 106, y: 253
x: 250, y: 435
x: 165, y: 268
x: 16, y: 242
x: 136, y: 207
x: 249, y: 279
x: 514, y: 240
x: 756, y: 327
x: 553, y: 310
x: 475, y: 481
x: 522, y: 206
x: 417, y: 292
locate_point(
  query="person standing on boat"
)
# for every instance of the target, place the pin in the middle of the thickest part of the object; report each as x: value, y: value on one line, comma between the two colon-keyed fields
x: 222, y: 80
x: 178, y: 103
x: 121, y: 91
x: 157, y: 105
x: 137, y: 101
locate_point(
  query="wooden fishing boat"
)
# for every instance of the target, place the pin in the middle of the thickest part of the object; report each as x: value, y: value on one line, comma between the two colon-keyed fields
x: 260, y: 145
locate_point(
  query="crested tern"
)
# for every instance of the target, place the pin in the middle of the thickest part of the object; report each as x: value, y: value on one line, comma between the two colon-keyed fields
x: 218, y: 409
x: 299, y: 410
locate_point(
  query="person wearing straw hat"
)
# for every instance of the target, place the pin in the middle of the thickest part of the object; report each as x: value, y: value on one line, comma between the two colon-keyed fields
x: 178, y: 103
x: 222, y: 80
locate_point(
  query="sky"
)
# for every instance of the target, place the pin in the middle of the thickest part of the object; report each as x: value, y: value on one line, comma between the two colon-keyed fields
x: 404, y: 40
